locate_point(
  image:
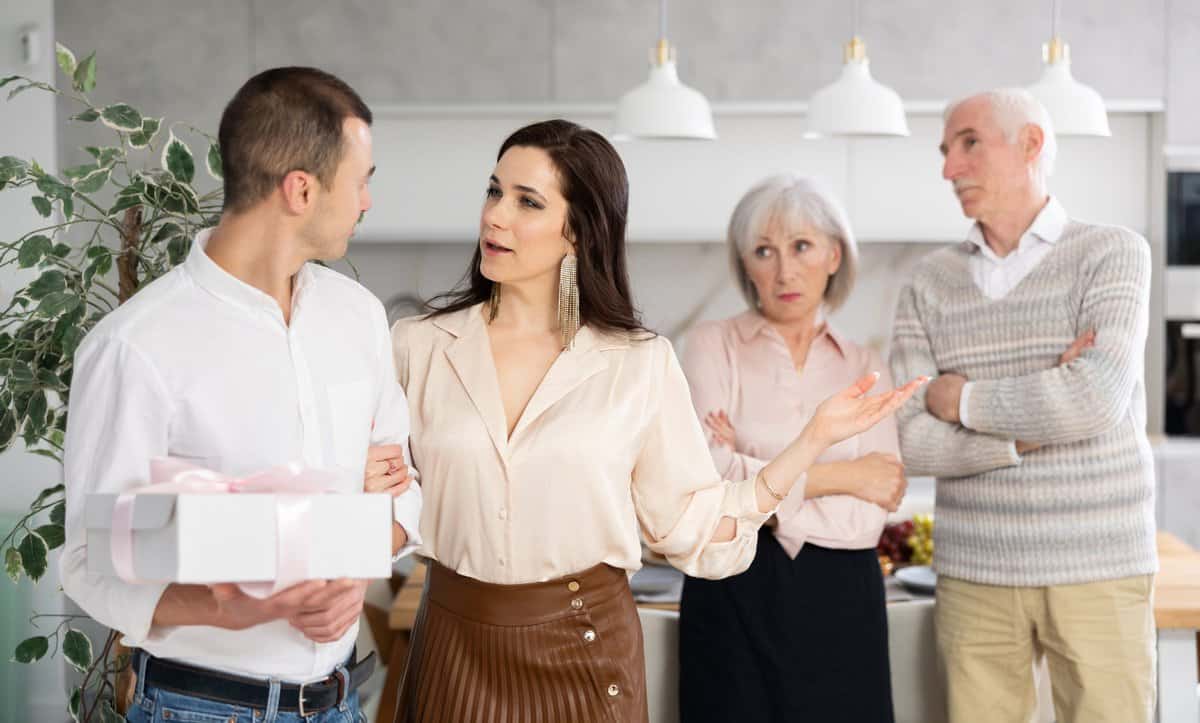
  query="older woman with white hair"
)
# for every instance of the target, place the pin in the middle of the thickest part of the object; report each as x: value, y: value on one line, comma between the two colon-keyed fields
x: 801, y: 635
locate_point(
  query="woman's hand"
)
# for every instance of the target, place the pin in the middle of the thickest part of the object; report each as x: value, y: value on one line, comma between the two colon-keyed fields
x: 851, y: 412
x: 878, y: 478
x: 721, y: 429
x: 387, y: 471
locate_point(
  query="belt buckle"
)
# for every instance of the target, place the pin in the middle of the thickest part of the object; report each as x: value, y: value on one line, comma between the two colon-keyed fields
x: 343, y: 692
x: 300, y: 702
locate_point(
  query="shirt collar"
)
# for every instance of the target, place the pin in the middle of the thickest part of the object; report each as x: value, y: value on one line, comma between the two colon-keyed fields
x: 219, y: 282
x: 1047, y: 226
x: 752, y: 324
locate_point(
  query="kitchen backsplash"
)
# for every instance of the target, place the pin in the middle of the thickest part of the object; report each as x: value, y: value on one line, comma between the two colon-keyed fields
x: 674, y: 284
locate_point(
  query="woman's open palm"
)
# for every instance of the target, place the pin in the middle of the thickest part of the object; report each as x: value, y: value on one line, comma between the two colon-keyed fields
x: 851, y: 411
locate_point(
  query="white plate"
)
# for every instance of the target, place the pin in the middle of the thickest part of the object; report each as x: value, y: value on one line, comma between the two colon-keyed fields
x: 919, y: 578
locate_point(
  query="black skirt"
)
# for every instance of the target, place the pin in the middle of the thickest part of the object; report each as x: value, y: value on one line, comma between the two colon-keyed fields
x: 801, y: 641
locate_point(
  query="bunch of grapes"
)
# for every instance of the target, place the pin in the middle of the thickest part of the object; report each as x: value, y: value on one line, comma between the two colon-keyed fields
x: 893, y: 543
x: 921, y: 541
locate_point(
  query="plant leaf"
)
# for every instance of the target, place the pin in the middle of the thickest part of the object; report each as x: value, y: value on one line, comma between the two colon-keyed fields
x: 12, y: 564
x: 60, y: 302
x: 33, y: 248
x: 47, y: 493
x: 121, y: 117
x: 74, y: 703
x: 93, y: 181
x: 46, y: 284
x: 84, y: 77
x: 123, y: 202
x: 33, y: 555
x: 66, y: 59
x: 35, y: 414
x: 213, y: 161
x: 12, y: 168
x: 8, y: 429
x: 21, y: 89
x: 42, y: 205
x: 87, y: 116
x: 31, y: 649
x: 177, y: 158
x: 104, y: 155
x: 177, y: 249
x: 10, y: 78
x: 142, y: 138
x: 75, y: 172
x: 109, y: 715
x: 52, y: 187
x: 54, y: 535
x: 78, y: 650
x: 58, y: 513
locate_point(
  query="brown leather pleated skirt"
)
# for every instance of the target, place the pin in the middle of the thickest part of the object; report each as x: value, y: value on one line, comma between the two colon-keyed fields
x: 563, y: 651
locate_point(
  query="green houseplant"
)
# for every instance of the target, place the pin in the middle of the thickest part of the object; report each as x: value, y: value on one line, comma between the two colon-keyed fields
x: 111, y: 226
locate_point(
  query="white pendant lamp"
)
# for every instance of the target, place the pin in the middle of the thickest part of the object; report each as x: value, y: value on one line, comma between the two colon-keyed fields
x: 1075, y: 109
x: 856, y: 104
x: 662, y: 107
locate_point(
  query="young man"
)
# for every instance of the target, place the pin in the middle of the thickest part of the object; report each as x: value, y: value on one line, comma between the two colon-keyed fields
x: 244, y: 357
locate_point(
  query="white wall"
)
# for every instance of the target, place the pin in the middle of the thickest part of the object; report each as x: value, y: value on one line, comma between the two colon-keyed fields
x: 27, y: 130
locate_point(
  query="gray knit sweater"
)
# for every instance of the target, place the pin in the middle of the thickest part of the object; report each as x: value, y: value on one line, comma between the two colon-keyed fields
x: 1080, y: 508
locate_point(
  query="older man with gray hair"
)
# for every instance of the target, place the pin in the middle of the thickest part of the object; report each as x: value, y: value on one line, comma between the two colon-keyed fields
x: 1035, y: 429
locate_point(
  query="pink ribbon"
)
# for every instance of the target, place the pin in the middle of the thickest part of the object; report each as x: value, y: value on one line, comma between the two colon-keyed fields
x: 292, y: 484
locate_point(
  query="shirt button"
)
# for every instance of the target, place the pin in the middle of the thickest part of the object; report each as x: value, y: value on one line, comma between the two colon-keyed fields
x: 503, y: 514
x: 577, y: 604
x: 501, y: 562
x: 613, y: 690
x: 589, y: 636
x: 573, y: 586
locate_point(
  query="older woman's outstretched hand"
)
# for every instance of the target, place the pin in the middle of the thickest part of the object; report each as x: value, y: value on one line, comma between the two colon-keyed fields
x: 851, y: 411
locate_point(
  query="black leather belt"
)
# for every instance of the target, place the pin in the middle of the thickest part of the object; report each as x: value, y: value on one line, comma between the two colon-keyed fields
x: 302, y: 698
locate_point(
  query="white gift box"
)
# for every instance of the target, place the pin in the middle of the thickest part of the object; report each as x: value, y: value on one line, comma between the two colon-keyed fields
x: 212, y: 538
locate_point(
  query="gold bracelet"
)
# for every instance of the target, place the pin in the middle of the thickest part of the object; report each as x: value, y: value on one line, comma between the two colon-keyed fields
x: 763, y: 478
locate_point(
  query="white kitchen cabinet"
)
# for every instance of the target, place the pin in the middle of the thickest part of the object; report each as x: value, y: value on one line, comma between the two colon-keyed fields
x: 433, y: 163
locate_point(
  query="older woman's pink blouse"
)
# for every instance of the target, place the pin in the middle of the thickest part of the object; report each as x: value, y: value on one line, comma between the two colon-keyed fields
x: 743, y: 366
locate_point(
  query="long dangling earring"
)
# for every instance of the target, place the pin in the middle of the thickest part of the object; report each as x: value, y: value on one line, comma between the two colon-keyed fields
x: 568, y: 301
x: 494, y: 302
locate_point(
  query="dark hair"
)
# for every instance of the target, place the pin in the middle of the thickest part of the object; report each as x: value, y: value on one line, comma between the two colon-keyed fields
x: 593, y: 182
x: 284, y: 120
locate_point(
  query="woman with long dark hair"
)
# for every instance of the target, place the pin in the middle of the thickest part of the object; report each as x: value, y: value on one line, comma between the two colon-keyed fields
x: 553, y: 432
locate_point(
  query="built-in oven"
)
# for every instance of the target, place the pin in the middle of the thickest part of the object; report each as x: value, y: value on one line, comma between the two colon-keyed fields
x: 1182, y: 387
x: 1182, y: 305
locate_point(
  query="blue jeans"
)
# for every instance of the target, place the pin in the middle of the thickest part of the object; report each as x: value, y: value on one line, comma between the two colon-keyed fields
x: 156, y: 705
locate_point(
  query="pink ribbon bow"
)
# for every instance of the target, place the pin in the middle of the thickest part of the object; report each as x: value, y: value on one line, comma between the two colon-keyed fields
x: 292, y: 484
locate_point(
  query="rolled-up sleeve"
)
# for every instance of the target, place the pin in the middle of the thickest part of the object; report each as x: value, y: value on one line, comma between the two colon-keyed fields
x: 679, y: 496
x: 392, y: 426
x: 119, y: 415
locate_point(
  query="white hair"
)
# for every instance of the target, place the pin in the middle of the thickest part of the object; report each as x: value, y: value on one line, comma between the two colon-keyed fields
x: 1013, y: 109
x: 792, y: 200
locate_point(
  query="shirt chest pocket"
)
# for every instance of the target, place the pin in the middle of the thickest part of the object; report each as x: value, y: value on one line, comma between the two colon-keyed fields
x: 351, y: 409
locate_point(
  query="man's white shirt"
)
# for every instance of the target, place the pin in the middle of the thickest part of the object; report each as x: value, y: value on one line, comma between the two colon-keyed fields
x: 202, y: 366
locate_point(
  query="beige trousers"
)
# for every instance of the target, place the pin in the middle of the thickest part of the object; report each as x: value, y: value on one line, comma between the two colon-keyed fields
x: 1097, y: 638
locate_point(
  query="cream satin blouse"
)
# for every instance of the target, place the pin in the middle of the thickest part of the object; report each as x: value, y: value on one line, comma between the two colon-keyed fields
x: 608, y: 450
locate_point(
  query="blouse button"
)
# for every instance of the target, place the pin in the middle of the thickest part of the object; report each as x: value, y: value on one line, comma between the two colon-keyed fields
x: 573, y: 586
x: 503, y: 514
x: 577, y: 604
x: 589, y: 636
x: 613, y: 690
